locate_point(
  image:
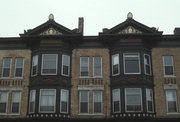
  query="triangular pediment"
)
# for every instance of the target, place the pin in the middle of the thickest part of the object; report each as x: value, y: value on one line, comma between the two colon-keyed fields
x: 130, y: 26
x: 49, y: 28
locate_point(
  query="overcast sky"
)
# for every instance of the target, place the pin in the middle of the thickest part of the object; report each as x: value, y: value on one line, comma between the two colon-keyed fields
x: 20, y: 15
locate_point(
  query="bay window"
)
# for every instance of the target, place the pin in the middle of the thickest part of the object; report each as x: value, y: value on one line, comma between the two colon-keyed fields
x: 115, y: 64
x: 34, y: 69
x: 147, y: 64
x: 32, y: 100
x: 116, y: 100
x: 65, y: 65
x: 149, y: 100
x: 64, y: 101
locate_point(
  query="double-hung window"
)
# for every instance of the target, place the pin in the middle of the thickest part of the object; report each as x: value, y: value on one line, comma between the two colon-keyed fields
x: 133, y: 100
x: 3, y: 101
x: 34, y: 65
x: 149, y: 100
x: 171, y: 101
x: 16, y: 101
x: 65, y: 65
x: 6, y: 68
x: 97, y: 102
x: 131, y: 63
x: 32, y: 100
x: 84, y: 66
x: 47, y: 100
x: 19, y: 67
x: 97, y: 66
x: 116, y: 100
x: 147, y: 64
x: 64, y: 101
x: 115, y: 64
x: 168, y: 65
x: 49, y: 64
x: 83, y: 101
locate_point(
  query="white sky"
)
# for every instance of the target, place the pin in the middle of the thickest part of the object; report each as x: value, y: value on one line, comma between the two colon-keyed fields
x: 20, y: 15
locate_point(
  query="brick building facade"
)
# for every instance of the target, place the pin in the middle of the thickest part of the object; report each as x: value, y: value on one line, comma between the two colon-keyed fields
x: 127, y: 73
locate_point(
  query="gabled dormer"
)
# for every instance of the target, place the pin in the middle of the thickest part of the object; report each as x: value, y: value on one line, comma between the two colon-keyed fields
x: 51, y: 28
x: 130, y: 26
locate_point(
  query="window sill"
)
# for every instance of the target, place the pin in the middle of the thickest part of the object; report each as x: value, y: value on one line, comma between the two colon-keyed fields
x: 89, y: 114
x: 175, y: 113
x: 169, y: 76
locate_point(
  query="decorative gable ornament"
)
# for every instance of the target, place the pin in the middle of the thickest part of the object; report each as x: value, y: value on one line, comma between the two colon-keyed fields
x: 51, y: 31
x: 130, y: 30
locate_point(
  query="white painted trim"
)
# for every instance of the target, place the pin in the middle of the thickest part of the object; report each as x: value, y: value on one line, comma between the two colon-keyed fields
x: 9, y: 68
x: 54, y: 102
x: 169, y: 65
x: 175, y: 101
x: 20, y: 92
x: 131, y: 56
x: 6, y: 102
x: 112, y: 59
x: 101, y: 67
x: 126, y: 100
x: 21, y: 67
x: 34, y: 65
x: 119, y: 94
x: 80, y: 101
x: 145, y: 72
x: 30, y: 101
x: 65, y: 65
x: 101, y: 102
x: 66, y: 101
x: 80, y: 67
x: 151, y: 100
x: 42, y: 65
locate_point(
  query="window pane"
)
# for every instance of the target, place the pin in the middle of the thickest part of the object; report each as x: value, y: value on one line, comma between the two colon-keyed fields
x: 84, y: 66
x: 169, y: 70
x: 84, y: 96
x: 168, y: 60
x: 132, y: 63
x: 97, y: 66
x: 19, y: 62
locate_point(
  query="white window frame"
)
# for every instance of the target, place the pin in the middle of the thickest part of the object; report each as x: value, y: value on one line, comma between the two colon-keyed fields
x: 101, y: 101
x: 176, y: 102
x: 138, y: 59
x: 94, y: 70
x: 152, y: 101
x: 114, y: 101
x: 65, y: 65
x: 112, y: 60
x: 66, y: 101
x: 34, y: 65
x: 16, y: 67
x: 168, y: 65
x: 9, y: 68
x: 42, y: 65
x: 6, y: 103
x: 54, y: 102
x: 126, y: 100
x: 31, y: 101
x: 80, y: 101
x: 80, y: 67
x: 149, y: 58
x: 19, y: 102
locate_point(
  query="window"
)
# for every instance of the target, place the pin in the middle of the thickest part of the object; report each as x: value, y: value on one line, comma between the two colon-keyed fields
x: 19, y: 67
x: 133, y: 100
x: 34, y: 65
x: 171, y: 101
x: 116, y: 100
x: 49, y: 64
x: 64, y: 101
x: 47, y: 100
x: 149, y: 100
x: 131, y: 63
x: 3, y: 101
x: 168, y: 65
x: 97, y: 101
x: 32, y: 99
x: 84, y: 66
x: 6, y: 68
x: 97, y: 66
x: 84, y: 101
x: 115, y: 64
x: 147, y: 64
x: 65, y: 65
x: 16, y: 99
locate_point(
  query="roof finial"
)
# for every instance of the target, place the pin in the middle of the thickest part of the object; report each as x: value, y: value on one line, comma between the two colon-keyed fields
x: 130, y: 15
x: 51, y: 17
